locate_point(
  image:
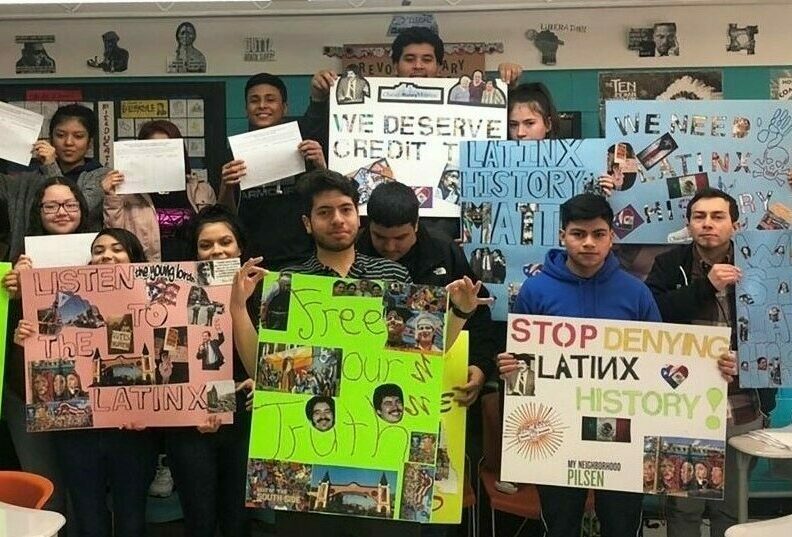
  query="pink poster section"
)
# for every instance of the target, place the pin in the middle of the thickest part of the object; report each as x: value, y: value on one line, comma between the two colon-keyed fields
x: 120, y: 345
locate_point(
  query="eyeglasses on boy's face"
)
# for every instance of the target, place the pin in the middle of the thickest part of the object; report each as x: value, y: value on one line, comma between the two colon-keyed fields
x: 52, y: 207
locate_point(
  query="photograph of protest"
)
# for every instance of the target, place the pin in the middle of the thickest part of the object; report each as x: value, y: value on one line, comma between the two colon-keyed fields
x: 278, y: 485
x: 275, y: 304
x: 170, y: 350
x: 353, y: 491
x: 299, y: 369
x: 684, y: 466
x: 68, y: 309
x: 120, y: 336
x: 364, y: 288
x: 415, y: 315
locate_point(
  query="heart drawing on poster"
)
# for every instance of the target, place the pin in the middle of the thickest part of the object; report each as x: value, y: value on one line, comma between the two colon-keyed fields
x: 674, y: 375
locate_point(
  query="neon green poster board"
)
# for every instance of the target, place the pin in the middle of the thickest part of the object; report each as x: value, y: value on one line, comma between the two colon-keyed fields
x: 4, y: 268
x: 348, y: 406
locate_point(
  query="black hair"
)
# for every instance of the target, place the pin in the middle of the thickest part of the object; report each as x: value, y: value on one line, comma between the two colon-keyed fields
x: 126, y: 239
x: 538, y: 98
x: 315, y: 400
x: 709, y: 193
x: 586, y: 207
x: 83, y: 114
x: 401, y: 312
x: 413, y: 36
x: 393, y: 204
x: 216, y: 214
x: 35, y: 225
x: 318, y: 181
x: 386, y: 390
x: 184, y: 25
x: 271, y: 80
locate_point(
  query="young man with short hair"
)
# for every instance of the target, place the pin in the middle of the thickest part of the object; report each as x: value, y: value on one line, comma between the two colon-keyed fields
x: 585, y: 280
x: 694, y: 284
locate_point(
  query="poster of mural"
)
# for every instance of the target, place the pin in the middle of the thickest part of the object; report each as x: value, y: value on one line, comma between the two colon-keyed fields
x: 662, y: 153
x: 511, y: 193
x: 148, y: 344
x: 615, y: 405
x: 781, y: 84
x: 4, y: 268
x: 348, y: 418
x: 764, y: 308
x: 409, y: 130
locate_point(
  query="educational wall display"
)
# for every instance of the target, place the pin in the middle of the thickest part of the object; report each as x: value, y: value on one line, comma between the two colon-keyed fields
x: 34, y: 58
x: 662, y: 153
x: 742, y: 39
x: 615, y: 405
x: 5, y: 268
x: 409, y: 130
x: 258, y: 49
x: 148, y: 344
x: 659, y: 40
x: 511, y: 193
x: 187, y: 58
x: 115, y: 59
x: 353, y: 404
x: 661, y: 85
x: 547, y: 42
x: 764, y: 308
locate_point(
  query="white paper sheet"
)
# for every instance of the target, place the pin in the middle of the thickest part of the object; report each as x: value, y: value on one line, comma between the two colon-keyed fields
x: 269, y: 154
x: 51, y: 251
x: 150, y: 165
x: 19, y: 130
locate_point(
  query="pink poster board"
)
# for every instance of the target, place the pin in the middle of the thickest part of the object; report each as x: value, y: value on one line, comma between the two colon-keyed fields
x: 145, y: 344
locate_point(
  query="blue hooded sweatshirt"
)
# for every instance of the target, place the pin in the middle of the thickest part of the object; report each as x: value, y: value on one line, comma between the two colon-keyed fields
x: 611, y: 293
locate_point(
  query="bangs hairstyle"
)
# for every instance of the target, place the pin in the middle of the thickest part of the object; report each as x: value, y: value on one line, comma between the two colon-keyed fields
x: 586, y: 207
x: 538, y: 98
x: 84, y: 115
x: 35, y: 225
x: 417, y: 35
x: 393, y: 204
x: 318, y: 181
x: 709, y: 193
x: 128, y: 240
x: 216, y: 214
x: 162, y: 126
x: 271, y: 80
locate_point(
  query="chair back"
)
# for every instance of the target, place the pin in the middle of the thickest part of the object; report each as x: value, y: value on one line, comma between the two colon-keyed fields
x: 24, y: 489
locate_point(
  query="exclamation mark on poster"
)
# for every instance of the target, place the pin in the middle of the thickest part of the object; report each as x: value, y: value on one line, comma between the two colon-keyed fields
x: 715, y: 398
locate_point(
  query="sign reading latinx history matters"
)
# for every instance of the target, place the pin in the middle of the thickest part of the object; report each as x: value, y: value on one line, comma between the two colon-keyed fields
x: 409, y: 130
x: 662, y: 153
x: 764, y: 308
x: 143, y: 344
x: 511, y: 193
x: 615, y: 405
x: 353, y: 406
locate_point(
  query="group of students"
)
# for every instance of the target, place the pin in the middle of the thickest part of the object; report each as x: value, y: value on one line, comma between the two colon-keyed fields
x: 310, y: 225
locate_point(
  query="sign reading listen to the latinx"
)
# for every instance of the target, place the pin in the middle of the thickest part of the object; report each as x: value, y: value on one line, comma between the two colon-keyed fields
x: 353, y: 411
x: 662, y: 153
x: 144, y: 344
x: 4, y: 268
x: 409, y: 130
x: 615, y: 405
x: 511, y: 193
x: 764, y: 308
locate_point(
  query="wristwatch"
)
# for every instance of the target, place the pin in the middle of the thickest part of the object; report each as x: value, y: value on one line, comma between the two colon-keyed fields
x: 461, y: 314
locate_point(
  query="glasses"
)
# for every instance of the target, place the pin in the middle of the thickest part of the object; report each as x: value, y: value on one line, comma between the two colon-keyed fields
x: 52, y: 207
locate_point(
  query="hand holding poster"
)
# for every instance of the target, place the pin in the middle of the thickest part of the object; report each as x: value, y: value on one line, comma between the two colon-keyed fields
x: 349, y: 401
x: 764, y: 308
x: 409, y: 130
x: 145, y: 344
x: 651, y: 392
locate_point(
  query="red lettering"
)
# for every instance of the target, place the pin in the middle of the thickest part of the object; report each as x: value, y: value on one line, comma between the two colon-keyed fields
x: 588, y: 333
x: 520, y: 331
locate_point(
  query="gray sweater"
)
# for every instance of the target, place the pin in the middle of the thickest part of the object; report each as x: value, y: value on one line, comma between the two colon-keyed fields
x: 18, y: 192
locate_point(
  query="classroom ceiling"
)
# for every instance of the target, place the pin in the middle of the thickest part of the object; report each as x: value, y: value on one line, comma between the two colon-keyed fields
x: 178, y: 8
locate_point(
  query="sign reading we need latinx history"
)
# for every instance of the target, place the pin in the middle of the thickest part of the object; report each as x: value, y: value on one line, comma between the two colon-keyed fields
x: 143, y: 344
x: 353, y: 406
x: 662, y: 152
x: 409, y: 130
x: 511, y: 194
x: 764, y: 308
x: 615, y: 405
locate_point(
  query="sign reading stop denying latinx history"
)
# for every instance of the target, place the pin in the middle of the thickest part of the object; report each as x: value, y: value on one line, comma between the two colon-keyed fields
x: 615, y: 405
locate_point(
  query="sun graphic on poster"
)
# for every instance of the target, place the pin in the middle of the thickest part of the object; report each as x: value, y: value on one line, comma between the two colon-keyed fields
x: 534, y: 430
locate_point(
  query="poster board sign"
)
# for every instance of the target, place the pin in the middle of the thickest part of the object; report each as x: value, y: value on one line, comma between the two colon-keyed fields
x: 347, y: 410
x: 764, y: 308
x: 143, y: 344
x: 615, y: 405
x: 409, y: 130
x: 4, y: 269
x: 511, y: 193
x: 662, y: 153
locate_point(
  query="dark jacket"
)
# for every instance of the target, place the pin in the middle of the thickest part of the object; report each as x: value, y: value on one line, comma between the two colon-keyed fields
x: 437, y: 261
x: 682, y: 299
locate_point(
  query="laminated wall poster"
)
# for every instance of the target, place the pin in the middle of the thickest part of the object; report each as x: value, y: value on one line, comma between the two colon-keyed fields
x: 148, y: 344
x: 353, y: 407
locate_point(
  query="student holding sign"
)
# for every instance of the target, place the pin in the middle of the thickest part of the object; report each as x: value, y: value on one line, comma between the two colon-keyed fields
x: 92, y: 461
x: 532, y: 114
x: 585, y: 280
x: 159, y: 218
x: 694, y: 284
